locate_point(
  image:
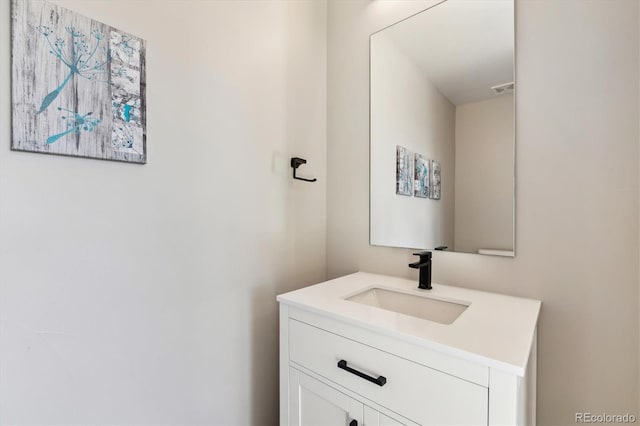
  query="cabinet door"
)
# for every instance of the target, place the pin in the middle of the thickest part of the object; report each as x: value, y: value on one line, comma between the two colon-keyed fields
x: 375, y: 418
x: 313, y: 403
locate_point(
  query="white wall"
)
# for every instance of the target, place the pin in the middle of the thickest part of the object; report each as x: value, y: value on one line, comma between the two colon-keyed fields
x: 576, y: 187
x: 484, y: 175
x: 146, y: 294
x: 408, y: 110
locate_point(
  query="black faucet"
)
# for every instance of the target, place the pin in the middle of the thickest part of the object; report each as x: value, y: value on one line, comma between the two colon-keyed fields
x: 424, y: 264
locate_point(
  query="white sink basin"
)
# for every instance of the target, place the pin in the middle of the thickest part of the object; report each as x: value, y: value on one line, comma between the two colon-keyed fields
x: 420, y: 306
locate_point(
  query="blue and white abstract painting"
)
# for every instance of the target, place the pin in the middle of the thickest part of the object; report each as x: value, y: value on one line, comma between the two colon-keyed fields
x: 404, y: 171
x: 422, y: 177
x: 78, y: 86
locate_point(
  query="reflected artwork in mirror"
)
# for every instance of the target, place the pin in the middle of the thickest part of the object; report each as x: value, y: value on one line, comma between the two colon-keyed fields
x: 442, y: 129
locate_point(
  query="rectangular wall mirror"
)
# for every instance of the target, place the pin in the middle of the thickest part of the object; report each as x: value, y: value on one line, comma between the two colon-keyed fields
x: 442, y: 130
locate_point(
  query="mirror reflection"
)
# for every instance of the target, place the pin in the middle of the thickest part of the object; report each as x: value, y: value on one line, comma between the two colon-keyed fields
x: 442, y: 129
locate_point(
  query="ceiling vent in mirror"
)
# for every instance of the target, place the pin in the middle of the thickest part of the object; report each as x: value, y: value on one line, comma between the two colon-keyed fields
x: 501, y: 89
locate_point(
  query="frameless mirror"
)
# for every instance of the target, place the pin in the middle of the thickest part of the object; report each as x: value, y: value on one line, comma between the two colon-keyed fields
x: 442, y: 129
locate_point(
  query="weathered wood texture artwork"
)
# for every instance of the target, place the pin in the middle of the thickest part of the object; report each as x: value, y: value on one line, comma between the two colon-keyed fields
x: 78, y: 86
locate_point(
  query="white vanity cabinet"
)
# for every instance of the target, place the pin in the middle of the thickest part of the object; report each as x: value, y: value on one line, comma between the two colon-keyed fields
x: 347, y: 364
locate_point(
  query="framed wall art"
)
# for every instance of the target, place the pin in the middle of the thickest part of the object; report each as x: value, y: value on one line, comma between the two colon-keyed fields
x: 78, y: 86
x: 436, y: 180
x: 422, y: 177
x: 404, y: 171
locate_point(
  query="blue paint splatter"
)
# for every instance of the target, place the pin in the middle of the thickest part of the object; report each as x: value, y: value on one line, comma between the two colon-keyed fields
x: 75, y: 124
x: 127, y: 112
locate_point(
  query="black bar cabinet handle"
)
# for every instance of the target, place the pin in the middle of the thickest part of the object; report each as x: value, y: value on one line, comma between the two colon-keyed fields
x: 353, y: 422
x: 380, y: 380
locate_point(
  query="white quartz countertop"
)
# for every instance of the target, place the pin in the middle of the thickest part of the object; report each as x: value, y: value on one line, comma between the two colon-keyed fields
x: 495, y: 330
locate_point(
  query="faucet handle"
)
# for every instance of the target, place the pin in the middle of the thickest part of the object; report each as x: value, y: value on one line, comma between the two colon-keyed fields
x: 425, y: 259
x: 424, y: 255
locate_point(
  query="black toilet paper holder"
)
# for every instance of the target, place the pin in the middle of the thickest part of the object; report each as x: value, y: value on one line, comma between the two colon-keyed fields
x: 297, y: 162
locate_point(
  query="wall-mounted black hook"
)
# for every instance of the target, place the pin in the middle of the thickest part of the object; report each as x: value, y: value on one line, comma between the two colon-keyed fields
x: 295, y: 163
